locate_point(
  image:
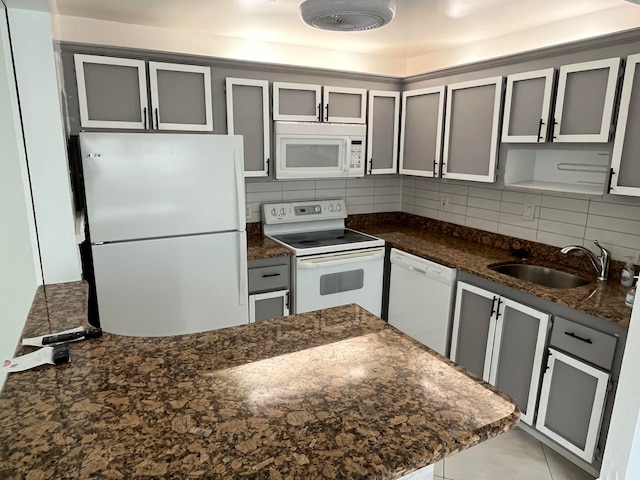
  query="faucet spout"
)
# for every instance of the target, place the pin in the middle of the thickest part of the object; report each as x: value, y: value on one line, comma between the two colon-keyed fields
x: 599, y: 262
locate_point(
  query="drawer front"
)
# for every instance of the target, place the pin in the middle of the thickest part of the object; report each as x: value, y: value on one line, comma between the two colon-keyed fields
x: 583, y: 342
x: 268, y: 278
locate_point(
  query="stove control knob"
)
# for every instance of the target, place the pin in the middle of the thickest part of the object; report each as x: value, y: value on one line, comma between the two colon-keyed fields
x: 283, y: 211
x: 338, y: 207
x: 317, y: 209
x: 331, y: 207
x: 274, y: 212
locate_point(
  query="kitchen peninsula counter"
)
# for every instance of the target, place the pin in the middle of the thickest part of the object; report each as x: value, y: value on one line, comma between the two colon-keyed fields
x: 335, y: 393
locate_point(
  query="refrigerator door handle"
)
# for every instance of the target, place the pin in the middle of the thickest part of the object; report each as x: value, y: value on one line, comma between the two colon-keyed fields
x: 239, y: 170
x: 243, y: 287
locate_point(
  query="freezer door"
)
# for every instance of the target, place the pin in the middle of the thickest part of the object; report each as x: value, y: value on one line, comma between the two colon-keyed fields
x: 148, y: 185
x: 172, y: 286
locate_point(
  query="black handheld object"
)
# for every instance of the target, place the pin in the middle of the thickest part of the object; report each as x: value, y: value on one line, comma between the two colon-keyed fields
x: 68, y: 337
x: 61, y: 354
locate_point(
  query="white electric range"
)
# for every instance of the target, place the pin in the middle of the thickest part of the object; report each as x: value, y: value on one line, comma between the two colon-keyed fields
x: 333, y: 265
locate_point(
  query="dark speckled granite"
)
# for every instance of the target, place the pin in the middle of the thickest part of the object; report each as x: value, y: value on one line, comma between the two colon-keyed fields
x: 474, y: 250
x: 336, y: 393
x: 259, y: 247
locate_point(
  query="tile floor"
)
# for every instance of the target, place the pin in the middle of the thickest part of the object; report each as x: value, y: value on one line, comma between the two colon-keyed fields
x: 515, y: 455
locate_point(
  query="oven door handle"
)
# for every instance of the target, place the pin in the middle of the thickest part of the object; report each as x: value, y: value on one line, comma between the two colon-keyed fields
x: 343, y: 259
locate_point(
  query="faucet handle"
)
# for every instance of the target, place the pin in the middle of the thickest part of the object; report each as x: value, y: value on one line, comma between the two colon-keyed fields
x: 603, y: 251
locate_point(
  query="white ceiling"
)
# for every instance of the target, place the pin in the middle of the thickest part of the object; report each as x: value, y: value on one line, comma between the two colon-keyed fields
x: 421, y: 27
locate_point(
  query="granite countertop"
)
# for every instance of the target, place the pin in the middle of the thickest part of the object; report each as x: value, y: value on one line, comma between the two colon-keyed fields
x: 336, y: 393
x: 259, y: 246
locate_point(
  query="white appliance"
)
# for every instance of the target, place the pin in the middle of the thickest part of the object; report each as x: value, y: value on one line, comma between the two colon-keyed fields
x: 421, y: 295
x: 333, y: 265
x: 167, y: 230
x: 319, y: 150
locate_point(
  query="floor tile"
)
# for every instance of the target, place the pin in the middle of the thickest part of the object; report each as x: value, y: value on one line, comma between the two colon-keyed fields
x: 513, y: 455
x: 562, y: 469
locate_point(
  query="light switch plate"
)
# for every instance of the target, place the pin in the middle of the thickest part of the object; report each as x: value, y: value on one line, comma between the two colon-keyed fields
x: 529, y: 211
x: 444, y: 203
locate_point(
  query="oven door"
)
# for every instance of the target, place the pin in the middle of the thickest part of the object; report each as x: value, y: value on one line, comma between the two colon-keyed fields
x: 338, y: 278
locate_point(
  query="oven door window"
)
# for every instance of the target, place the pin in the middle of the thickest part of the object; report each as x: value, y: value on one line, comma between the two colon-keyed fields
x: 333, y: 283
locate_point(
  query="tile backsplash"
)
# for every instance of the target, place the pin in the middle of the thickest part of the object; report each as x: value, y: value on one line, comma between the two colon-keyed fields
x: 553, y: 218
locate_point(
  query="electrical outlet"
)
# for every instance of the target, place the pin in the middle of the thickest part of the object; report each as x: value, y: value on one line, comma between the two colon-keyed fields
x: 247, y: 212
x: 444, y: 203
x: 529, y: 211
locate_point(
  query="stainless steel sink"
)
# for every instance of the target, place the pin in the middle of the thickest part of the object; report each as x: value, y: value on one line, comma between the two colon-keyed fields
x: 547, y: 277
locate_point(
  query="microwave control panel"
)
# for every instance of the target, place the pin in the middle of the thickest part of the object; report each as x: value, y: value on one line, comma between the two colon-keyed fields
x: 357, y: 154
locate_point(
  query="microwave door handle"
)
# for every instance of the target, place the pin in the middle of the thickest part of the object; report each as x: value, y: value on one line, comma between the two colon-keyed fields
x: 345, y: 165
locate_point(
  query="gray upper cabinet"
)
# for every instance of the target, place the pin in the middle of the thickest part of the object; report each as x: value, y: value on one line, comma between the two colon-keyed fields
x: 527, y: 106
x: 585, y: 101
x: 501, y: 341
x: 625, y: 179
x: 421, y: 138
x: 382, y: 132
x: 112, y: 93
x: 181, y: 97
x: 248, y: 115
x: 300, y: 102
x: 471, y: 130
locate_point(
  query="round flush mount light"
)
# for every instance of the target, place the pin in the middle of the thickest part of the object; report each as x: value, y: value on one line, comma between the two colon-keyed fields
x: 347, y: 15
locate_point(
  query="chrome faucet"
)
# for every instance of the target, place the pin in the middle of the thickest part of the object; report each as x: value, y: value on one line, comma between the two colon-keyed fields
x: 600, y: 263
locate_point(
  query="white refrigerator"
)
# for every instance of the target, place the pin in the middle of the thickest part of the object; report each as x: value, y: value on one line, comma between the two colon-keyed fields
x: 166, y: 217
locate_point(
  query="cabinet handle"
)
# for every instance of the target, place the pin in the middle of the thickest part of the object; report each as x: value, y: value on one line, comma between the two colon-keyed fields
x: 144, y: 117
x: 267, y: 275
x: 493, y: 305
x: 157, y: 121
x: 326, y: 115
x: 573, y: 335
x: 611, y: 174
x: 370, y: 165
x: 319, y: 112
x: 267, y: 162
x: 498, y: 308
x: 540, y: 129
x: 555, y: 123
x: 435, y: 169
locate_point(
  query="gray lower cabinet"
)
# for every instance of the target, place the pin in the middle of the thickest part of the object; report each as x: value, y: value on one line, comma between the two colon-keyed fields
x: 269, y: 288
x: 625, y: 163
x: 114, y: 93
x: 575, y: 386
x: 382, y: 132
x: 501, y: 341
x: 472, y: 122
x: 248, y: 115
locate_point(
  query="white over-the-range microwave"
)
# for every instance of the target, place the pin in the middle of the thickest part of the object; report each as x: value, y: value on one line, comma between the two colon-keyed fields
x: 319, y: 150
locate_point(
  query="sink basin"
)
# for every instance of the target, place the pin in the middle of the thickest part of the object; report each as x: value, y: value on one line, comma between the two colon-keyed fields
x: 547, y: 277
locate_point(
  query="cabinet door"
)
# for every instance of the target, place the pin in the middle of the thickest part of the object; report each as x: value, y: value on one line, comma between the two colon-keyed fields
x: 473, y: 329
x: 384, y: 120
x: 181, y: 97
x: 112, y: 92
x: 471, y: 130
x: 572, y: 403
x: 527, y: 106
x: 585, y: 100
x: 248, y: 115
x: 422, y: 122
x: 344, y: 105
x: 269, y: 305
x: 296, y: 102
x: 625, y: 179
x: 517, y: 356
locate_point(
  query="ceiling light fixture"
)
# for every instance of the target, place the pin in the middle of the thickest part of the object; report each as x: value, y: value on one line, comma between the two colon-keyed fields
x: 347, y: 15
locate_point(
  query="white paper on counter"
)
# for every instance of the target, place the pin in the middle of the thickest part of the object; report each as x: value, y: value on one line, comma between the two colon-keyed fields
x: 30, y: 360
x: 37, y: 341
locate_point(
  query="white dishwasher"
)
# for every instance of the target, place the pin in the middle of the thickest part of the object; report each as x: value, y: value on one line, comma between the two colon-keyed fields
x: 421, y: 295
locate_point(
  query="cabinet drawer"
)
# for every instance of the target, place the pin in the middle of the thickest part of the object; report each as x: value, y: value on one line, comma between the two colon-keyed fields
x: 583, y: 342
x: 268, y: 278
